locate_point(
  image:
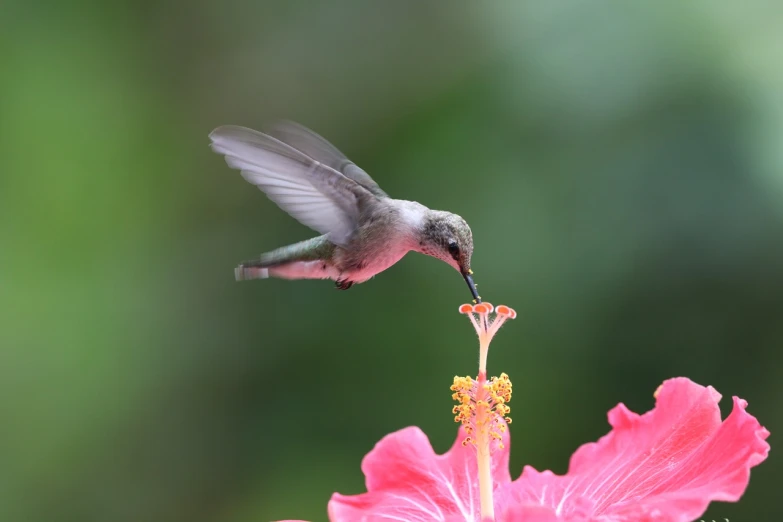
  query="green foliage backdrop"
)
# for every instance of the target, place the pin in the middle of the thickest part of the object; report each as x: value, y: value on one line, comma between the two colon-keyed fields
x: 620, y: 167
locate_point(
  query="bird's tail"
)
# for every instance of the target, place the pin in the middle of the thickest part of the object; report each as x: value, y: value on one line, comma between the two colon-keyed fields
x: 305, y: 260
x: 245, y: 273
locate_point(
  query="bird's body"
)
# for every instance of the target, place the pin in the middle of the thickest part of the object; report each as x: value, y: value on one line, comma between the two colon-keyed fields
x: 387, y: 234
x: 364, y: 231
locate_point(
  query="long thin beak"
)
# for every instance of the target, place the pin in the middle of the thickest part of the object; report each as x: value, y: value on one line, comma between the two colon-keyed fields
x: 472, y: 286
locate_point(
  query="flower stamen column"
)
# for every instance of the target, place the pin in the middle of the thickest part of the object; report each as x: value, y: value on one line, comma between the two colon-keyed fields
x: 482, y: 407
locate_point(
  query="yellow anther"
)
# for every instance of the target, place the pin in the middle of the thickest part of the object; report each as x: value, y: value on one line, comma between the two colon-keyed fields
x: 482, y: 410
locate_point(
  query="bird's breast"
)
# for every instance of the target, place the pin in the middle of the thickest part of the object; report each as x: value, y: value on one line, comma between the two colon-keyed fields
x: 374, y: 264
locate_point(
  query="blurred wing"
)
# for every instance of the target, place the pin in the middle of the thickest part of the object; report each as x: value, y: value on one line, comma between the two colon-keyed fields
x: 315, y: 146
x: 316, y: 195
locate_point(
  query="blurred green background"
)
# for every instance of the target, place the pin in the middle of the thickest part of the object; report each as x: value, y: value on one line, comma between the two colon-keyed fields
x: 620, y: 166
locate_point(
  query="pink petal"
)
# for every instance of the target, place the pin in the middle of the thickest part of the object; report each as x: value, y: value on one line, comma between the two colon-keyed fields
x: 665, y: 465
x: 407, y: 481
x: 527, y: 513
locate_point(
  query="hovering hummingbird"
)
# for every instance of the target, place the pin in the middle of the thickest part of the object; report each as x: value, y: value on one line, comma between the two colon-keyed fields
x: 364, y: 230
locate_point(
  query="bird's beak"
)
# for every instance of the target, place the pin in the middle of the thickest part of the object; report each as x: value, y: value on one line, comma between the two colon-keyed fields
x: 469, y: 279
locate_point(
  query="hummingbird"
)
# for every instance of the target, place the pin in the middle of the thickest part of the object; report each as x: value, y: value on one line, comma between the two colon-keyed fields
x: 363, y: 230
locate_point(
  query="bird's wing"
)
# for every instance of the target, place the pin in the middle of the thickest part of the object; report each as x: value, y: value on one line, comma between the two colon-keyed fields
x: 315, y: 194
x: 315, y: 146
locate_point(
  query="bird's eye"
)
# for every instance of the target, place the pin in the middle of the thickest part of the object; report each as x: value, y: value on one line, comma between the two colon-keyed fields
x: 454, y: 249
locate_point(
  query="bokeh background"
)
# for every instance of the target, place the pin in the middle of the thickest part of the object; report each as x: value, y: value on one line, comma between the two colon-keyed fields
x: 621, y: 168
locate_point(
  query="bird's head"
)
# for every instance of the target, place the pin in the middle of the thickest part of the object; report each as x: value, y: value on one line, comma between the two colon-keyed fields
x: 448, y: 237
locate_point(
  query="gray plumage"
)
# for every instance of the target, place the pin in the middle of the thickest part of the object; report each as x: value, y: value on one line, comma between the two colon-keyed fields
x: 364, y: 231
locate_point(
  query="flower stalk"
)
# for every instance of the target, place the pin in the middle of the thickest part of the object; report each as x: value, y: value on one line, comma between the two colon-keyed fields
x: 483, y: 453
x: 482, y: 405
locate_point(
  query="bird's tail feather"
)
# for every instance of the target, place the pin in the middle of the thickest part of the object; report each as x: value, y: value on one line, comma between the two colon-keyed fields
x: 315, y: 269
x: 246, y: 273
x: 303, y: 260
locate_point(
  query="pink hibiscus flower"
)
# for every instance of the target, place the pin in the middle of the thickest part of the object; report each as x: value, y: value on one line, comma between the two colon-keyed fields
x: 666, y: 465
